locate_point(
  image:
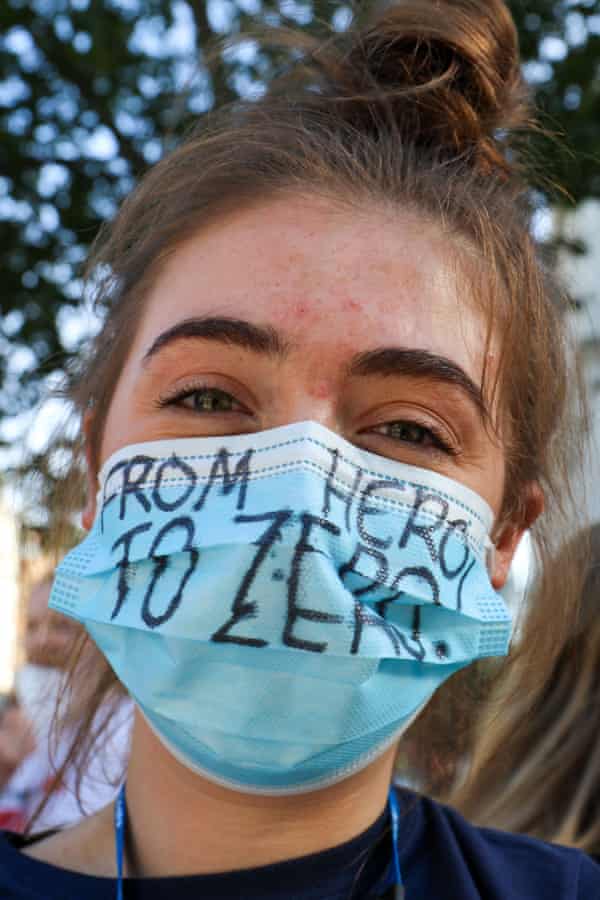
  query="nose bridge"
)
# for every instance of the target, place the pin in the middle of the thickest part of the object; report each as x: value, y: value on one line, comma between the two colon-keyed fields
x: 315, y: 411
x: 312, y: 392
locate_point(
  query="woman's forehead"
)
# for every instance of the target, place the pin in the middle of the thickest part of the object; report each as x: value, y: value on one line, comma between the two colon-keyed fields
x: 324, y: 277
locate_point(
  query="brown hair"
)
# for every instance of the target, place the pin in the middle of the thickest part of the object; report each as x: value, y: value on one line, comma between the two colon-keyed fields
x: 422, y: 110
x: 536, y: 763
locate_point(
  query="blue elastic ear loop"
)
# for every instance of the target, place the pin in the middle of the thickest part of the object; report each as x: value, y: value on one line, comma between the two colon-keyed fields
x: 394, y: 878
x: 119, y: 815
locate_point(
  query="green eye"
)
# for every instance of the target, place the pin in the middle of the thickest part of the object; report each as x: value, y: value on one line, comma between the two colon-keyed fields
x: 410, y: 432
x: 209, y: 400
x: 417, y: 435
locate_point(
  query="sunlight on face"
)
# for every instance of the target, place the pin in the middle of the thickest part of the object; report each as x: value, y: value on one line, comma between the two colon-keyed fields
x: 298, y: 310
x: 302, y: 309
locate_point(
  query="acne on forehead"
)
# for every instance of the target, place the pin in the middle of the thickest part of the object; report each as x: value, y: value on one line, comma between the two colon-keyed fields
x: 319, y: 265
x: 333, y: 282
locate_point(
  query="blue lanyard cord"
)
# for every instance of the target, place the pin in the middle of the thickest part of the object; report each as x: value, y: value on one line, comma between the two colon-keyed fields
x: 395, y: 817
x: 394, y: 878
x: 120, y: 816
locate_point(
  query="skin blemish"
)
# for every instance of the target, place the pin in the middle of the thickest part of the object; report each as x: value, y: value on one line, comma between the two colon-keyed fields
x: 301, y: 309
x: 329, y: 306
x: 322, y: 389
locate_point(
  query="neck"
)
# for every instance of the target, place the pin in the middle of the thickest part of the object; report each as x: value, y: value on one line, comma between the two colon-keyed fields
x: 206, y: 828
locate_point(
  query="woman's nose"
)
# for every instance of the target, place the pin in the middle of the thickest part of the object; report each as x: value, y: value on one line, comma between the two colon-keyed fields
x: 314, y: 400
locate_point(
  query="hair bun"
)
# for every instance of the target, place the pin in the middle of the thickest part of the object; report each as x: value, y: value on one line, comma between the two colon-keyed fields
x: 450, y: 68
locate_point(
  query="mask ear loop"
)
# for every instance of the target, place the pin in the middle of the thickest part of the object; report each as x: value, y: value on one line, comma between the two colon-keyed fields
x: 120, y: 823
x: 490, y: 556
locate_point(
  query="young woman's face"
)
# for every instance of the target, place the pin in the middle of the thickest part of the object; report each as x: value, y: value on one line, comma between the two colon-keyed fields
x: 301, y: 310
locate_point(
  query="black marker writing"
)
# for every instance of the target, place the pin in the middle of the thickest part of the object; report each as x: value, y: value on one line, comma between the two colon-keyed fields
x: 294, y: 611
x: 365, y: 616
x: 123, y: 564
x: 417, y: 652
x: 382, y: 605
x: 241, y: 607
x: 361, y: 613
x: 364, y: 510
x: 220, y: 469
x: 351, y: 566
x: 131, y: 487
x: 345, y: 496
x: 425, y: 532
x: 107, y: 500
x: 181, y: 469
x: 424, y: 574
x: 456, y: 525
x: 160, y: 566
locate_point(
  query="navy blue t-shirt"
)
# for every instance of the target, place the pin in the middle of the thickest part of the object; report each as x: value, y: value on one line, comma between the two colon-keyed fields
x: 441, y: 855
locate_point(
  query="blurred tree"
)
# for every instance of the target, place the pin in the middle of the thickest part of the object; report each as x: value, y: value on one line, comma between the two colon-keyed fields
x: 94, y: 91
x: 91, y: 93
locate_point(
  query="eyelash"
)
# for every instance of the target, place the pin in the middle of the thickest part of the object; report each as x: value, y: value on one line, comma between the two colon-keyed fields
x: 183, y: 393
x: 438, y: 439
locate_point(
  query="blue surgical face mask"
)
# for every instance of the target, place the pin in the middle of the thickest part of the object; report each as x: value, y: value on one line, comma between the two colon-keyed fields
x: 280, y: 605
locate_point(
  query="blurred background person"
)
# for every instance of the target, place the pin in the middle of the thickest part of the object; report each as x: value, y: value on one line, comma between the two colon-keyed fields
x: 25, y: 768
x: 535, y: 765
x: 16, y: 744
x: 47, y: 643
x: 30, y: 758
x: 434, y: 756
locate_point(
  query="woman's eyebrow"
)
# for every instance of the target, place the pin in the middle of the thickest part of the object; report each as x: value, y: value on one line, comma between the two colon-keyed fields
x: 258, y: 338
x: 390, y: 361
x: 384, y: 361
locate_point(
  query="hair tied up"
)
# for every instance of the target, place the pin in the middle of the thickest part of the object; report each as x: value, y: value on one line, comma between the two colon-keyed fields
x: 445, y: 72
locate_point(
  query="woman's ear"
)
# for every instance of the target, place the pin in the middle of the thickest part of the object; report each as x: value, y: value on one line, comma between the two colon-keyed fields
x: 509, y: 533
x: 91, y: 475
